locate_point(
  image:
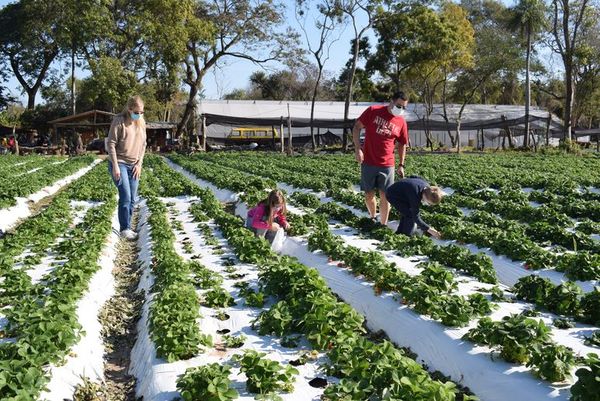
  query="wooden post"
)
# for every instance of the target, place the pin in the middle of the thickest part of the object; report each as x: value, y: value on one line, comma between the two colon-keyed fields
x: 273, y: 136
x: 319, y: 136
x: 289, y: 123
x: 482, y: 141
x: 597, y: 142
x: 203, y: 132
x: 282, y: 148
x: 548, y: 128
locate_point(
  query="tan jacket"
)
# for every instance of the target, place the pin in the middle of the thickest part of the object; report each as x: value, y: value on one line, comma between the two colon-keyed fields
x: 125, y: 144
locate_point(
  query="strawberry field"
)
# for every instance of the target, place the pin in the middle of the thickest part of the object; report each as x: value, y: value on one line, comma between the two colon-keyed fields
x: 506, y: 303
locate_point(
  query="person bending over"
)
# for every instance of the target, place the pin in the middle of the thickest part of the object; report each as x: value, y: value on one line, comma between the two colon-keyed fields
x: 268, y: 216
x: 406, y: 196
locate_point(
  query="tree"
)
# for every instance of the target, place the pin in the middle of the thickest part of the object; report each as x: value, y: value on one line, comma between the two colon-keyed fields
x: 79, y: 22
x: 236, y: 29
x: 352, y: 8
x: 529, y: 17
x: 586, y: 110
x: 5, y: 96
x: 29, y: 40
x: 451, y: 52
x: 363, y: 89
x: 329, y: 15
x: 295, y: 83
x: 568, y: 18
x: 109, y: 86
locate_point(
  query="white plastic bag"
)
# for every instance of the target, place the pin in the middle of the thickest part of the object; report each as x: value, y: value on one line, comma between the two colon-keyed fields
x: 277, y: 244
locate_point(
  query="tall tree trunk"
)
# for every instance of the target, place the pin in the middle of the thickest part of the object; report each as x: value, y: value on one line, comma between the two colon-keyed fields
x: 73, y: 80
x: 527, y: 88
x: 349, y: 89
x: 570, y: 91
x: 458, y: 135
x: 312, y: 108
x: 189, y: 109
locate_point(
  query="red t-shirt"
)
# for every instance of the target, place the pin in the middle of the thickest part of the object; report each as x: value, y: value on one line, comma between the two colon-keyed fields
x: 382, y: 131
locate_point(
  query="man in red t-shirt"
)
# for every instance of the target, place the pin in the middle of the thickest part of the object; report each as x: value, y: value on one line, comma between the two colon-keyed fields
x: 385, y: 129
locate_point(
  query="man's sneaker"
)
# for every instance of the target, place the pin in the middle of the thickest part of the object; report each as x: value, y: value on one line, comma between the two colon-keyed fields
x: 128, y: 234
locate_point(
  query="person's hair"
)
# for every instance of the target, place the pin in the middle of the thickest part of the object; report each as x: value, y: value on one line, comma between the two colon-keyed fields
x: 274, y: 198
x: 133, y: 101
x: 434, y: 195
x: 399, y: 95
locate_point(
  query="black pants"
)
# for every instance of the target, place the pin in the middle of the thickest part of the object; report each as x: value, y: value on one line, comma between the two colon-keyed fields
x: 406, y: 226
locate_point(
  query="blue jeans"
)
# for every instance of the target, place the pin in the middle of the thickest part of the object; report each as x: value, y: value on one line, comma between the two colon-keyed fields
x: 128, y: 187
x: 260, y: 232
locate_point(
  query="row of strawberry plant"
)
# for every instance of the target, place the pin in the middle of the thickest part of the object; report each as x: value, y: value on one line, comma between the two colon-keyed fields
x: 478, y: 265
x: 43, y: 319
x: 564, y: 299
x: 307, y: 306
x: 488, y: 232
x: 251, y: 188
x: 504, y: 237
x: 559, y: 174
x: 174, y: 308
x: 10, y: 188
x: 264, y: 377
x: 27, y: 164
x: 512, y: 240
x: 160, y: 180
x: 429, y: 293
x: 387, y: 280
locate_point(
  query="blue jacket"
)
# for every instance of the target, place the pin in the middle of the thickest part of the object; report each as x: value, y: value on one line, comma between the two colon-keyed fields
x: 405, y: 195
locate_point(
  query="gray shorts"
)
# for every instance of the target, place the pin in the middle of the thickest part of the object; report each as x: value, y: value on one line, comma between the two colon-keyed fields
x: 372, y: 177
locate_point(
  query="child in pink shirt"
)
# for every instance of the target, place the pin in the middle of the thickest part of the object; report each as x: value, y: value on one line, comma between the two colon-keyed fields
x: 266, y: 218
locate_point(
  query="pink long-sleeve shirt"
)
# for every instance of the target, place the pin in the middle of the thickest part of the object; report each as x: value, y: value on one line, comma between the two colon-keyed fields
x: 259, y: 221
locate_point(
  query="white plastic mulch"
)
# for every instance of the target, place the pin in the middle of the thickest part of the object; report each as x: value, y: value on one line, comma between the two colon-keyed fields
x: 87, y: 356
x: 10, y: 216
x: 156, y: 379
x: 47, y: 265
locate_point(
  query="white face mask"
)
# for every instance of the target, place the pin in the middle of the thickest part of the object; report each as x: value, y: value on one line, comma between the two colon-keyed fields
x: 398, y: 111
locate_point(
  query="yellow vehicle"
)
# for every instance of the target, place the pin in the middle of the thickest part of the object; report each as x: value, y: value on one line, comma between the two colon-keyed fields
x: 253, y: 134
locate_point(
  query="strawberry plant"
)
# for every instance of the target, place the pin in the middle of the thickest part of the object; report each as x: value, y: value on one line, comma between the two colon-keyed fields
x: 265, y: 376
x: 217, y: 298
x: 514, y: 335
x: 203, y: 277
x: 234, y: 341
x: 593, y: 340
x: 551, y: 362
x: 277, y: 320
x: 255, y: 299
x: 580, y: 266
x: 563, y: 323
x: 534, y: 289
x: 590, y: 306
x: 587, y: 386
x: 207, y: 383
x: 564, y: 299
